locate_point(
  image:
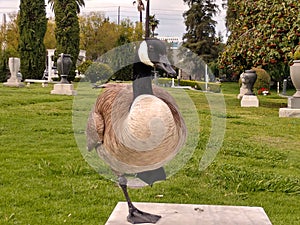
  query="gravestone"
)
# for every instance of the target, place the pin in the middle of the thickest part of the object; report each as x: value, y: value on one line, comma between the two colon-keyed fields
x: 14, y: 66
x: 284, y: 85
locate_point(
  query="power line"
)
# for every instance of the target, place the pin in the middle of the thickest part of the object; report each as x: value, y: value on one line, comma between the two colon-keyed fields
x: 133, y: 8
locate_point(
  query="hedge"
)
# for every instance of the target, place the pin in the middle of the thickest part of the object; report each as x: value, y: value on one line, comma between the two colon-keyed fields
x: 198, y: 85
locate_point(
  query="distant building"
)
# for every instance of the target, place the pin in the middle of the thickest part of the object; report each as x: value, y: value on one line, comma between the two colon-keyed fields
x: 174, y: 41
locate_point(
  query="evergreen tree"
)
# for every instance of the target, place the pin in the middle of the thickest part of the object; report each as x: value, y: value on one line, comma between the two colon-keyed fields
x: 32, y: 27
x: 201, y: 34
x: 67, y: 31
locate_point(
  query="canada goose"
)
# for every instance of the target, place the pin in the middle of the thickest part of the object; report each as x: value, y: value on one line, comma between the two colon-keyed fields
x: 137, y: 129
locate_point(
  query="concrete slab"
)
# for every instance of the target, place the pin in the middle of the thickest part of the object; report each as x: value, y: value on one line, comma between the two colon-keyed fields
x: 288, y: 112
x: 188, y: 214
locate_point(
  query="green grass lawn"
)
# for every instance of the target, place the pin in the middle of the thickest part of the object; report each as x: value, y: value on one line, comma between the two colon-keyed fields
x: 45, y: 180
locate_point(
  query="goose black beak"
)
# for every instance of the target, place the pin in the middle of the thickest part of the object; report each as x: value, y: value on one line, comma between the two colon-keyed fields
x: 165, y: 65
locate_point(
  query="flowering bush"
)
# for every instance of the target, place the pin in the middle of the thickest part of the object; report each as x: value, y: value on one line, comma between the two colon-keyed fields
x: 263, y: 91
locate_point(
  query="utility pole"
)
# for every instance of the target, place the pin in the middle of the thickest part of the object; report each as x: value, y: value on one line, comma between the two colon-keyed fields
x: 147, y: 33
x: 119, y: 9
x: 4, y: 31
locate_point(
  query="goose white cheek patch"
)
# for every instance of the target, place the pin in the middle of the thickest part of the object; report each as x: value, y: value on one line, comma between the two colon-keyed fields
x: 143, y: 54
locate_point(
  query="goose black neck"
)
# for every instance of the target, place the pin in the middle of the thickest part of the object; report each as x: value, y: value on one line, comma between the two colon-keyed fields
x: 142, y: 80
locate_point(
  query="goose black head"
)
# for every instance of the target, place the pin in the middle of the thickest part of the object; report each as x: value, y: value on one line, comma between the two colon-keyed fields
x: 153, y: 52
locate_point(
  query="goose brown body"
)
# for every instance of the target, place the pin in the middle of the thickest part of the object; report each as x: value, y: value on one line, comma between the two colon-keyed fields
x: 135, y: 135
x: 137, y: 129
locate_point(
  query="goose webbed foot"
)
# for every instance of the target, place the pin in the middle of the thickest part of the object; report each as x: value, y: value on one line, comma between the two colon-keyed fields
x: 136, y: 216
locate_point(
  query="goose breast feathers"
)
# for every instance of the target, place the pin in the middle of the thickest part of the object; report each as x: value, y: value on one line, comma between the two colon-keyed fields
x: 135, y: 136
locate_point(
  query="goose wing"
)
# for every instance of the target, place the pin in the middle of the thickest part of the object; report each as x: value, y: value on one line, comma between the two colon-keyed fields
x: 98, y: 119
x: 94, y: 130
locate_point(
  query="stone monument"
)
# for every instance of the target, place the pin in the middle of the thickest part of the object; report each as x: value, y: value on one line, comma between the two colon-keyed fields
x: 293, y: 109
x: 64, y: 64
x: 249, y: 99
x: 14, y: 66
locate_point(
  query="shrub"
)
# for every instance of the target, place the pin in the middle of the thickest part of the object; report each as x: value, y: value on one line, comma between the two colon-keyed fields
x: 213, y: 87
x: 296, y: 55
x: 263, y: 79
x: 82, y: 68
x: 98, y: 72
x: 4, y: 70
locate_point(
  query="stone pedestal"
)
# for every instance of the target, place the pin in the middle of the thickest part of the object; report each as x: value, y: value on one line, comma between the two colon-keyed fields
x: 294, y: 103
x: 63, y: 89
x: 293, y: 109
x: 180, y: 214
x: 249, y: 101
x: 13, y: 82
x: 288, y: 112
x: 14, y: 66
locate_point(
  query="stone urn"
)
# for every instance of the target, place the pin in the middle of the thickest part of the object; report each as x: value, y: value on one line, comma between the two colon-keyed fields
x: 64, y: 64
x: 295, y: 76
x: 248, y: 79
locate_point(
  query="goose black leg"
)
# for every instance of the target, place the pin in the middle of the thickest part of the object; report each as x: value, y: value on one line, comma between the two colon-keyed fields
x: 135, y: 215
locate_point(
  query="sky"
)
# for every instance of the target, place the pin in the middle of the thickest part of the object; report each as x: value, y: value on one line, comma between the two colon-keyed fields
x: 168, y: 12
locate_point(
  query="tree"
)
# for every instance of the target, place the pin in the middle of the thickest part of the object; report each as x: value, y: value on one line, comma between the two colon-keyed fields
x: 201, y: 35
x: 153, y: 24
x: 263, y: 34
x: 67, y: 31
x: 98, y: 72
x: 79, y: 3
x: 9, y: 41
x: 140, y: 8
x: 98, y: 34
x: 127, y: 34
x: 49, y: 40
x: 32, y: 27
